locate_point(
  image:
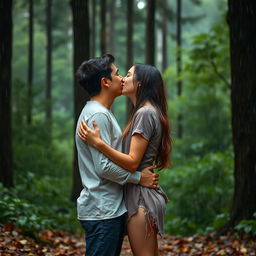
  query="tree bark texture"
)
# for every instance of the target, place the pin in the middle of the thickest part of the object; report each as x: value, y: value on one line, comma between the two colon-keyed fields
x: 150, y: 32
x: 242, y: 20
x: 6, y: 171
x: 81, y: 53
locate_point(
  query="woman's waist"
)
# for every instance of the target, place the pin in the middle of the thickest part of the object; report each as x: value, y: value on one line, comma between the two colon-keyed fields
x: 137, y: 191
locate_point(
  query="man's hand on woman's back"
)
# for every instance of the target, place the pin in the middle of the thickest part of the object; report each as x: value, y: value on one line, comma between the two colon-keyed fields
x: 148, y: 178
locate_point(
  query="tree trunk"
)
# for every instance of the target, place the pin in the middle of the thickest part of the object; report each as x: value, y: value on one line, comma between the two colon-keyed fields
x: 111, y: 31
x: 103, y: 26
x: 179, y: 64
x: 93, y: 28
x: 6, y: 172
x: 242, y: 20
x: 150, y: 32
x: 81, y: 53
x: 110, y: 34
x: 30, y: 61
x: 164, y: 38
x: 48, y: 109
x: 129, y: 47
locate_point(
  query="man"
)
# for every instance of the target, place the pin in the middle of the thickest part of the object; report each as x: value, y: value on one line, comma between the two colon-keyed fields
x: 101, y: 208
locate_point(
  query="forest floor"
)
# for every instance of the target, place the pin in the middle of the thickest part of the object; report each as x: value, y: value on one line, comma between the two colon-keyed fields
x: 51, y: 243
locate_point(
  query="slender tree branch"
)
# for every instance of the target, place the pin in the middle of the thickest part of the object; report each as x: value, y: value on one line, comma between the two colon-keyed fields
x: 216, y: 71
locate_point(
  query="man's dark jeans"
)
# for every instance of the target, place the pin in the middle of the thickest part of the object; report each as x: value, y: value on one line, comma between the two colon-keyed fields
x: 104, y: 237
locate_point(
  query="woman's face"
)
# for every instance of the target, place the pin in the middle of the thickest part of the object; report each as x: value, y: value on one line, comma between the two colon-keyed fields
x: 129, y: 88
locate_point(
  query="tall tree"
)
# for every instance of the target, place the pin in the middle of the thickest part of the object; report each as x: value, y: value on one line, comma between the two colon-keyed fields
x: 93, y: 28
x: 103, y: 41
x: 6, y: 174
x: 150, y: 32
x: 81, y: 43
x: 111, y: 27
x: 242, y: 20
x: 30, y: 61
x: 179, y: 62
x: 110, y: 32
x: 48, y: 93
x: 164, y: 37
x: 129, y: 47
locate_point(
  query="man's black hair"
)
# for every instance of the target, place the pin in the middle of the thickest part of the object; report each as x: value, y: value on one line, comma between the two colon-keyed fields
x: 90, y: 72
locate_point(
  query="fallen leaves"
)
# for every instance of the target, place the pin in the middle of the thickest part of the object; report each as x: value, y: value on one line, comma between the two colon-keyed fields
x: 52, y: 243
x: 13, y: 242
x: 232, y: 244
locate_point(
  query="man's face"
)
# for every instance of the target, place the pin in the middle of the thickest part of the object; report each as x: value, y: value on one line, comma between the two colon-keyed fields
x: 116, y: 86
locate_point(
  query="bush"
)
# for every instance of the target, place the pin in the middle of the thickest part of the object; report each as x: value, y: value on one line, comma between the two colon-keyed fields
x: 21, y: 213
x: 247, y: 226
x: 39, y: 203
x: 42, y: 169
x: 198, y: 192
x: 52, y: 195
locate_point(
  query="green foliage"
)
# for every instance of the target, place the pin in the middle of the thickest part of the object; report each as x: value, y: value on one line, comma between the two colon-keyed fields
x: 219, y: 221
x: 247, y: 226
x: 42, y: 164
x: 43, y: 176
x: 34, y: 152
x: 52, y: 194
x: 42, y: 167
x: 200, y: 184
x: 39, y: 203
x: 198, y: 192
x: 205, y: 100
x: 21, y: 213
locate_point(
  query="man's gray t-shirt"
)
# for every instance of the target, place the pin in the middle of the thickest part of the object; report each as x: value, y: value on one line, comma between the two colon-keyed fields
x: 102, y: 194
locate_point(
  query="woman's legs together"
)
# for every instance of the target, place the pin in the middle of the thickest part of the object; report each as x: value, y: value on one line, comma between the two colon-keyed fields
x: 142, y: 234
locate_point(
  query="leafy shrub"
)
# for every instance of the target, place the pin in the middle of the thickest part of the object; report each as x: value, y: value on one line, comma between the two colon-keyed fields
x: 37, y: 204
x: 42, y: 169
x: 34, y: 152
x: 21, y: 213
x: 247, y: 226
x: 52, y: 195
x: 200, y: 184
x: 205, y: 100
x: 198, y: 192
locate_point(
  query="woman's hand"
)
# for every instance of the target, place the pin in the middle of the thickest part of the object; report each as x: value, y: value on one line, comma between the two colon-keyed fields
x: 89, y: 136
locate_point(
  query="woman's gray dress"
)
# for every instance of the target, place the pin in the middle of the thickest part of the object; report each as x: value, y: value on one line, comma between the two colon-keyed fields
x: 146, y: 122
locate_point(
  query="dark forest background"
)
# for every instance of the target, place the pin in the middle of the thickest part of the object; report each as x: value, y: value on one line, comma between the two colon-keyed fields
x: 206, y: 52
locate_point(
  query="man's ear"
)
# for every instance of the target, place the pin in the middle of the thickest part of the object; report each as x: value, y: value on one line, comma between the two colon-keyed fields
x: 104, y: 82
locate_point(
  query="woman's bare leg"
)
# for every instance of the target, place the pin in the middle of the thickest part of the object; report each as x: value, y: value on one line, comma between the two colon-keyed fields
x: 143, y: 242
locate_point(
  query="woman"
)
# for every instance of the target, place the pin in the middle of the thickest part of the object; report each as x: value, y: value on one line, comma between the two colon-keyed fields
x: 146, y: 141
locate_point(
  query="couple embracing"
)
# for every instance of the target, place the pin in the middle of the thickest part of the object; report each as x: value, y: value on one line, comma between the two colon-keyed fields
x: 120, y: 192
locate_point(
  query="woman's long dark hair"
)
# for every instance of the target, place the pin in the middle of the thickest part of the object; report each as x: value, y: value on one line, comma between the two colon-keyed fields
x: 152, y: 89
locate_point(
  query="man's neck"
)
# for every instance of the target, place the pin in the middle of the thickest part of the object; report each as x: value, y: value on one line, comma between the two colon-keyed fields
x: 105, y: 100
